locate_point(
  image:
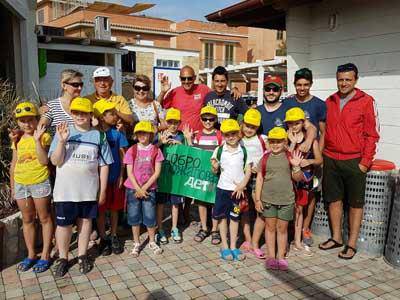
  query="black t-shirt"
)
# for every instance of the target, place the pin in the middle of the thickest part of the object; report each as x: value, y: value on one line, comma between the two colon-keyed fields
x: 226, y: 106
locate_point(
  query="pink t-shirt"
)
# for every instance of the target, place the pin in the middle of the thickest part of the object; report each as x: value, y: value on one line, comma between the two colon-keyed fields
x: 189, y: 103
x: 143, y: 168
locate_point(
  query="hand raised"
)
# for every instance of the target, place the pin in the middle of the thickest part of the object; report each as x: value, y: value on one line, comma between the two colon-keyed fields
x: 165, y: 84
x: 63, y: 132
x: 40, y: 129
x: 296, y: 158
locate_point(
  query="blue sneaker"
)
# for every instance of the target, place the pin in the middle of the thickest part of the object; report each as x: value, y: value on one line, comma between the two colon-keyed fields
x: 176, y: 235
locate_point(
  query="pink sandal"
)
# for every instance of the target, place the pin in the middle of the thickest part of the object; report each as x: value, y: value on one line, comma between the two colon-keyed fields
x: 258, y: 253
x: 272, y: 264
x: 246, y: 247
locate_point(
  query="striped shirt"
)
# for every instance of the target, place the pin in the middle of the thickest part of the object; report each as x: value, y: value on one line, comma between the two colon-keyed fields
x: 56, y: 115
x: 207, y: 141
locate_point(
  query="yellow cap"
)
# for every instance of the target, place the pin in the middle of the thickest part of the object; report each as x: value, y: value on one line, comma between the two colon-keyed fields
x: 295, y: 114
x: 252, y: 117
x: 229, y: 125
x: 81, y: 104
x: 144, y: 126
x: 277, y: 133
x: 173, y: 114
x: 101, y: 106
x: 209, y: 110
x: 26, y: 109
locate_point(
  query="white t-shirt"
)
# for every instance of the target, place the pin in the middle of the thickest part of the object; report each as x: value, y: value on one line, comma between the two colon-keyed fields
x: 231, y: 166
x: 254, y: 148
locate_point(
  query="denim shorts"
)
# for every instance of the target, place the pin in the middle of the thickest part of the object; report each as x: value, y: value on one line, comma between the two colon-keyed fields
x: 39, y: 190
x: 68, y: 212
x: 141, y: 211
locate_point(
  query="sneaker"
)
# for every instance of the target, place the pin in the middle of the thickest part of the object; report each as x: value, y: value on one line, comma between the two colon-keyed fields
x: 156, y: 249
x: 307, y: 237
x: 162, y: 237
x: 283, y: 264
x: 116, y: 245
x: 105, y: 247
x: 176, y: 235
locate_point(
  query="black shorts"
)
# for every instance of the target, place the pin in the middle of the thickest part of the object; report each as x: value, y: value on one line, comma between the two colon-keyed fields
x: 226, y: 206
x: 68, y: 212
x: 343, y: 180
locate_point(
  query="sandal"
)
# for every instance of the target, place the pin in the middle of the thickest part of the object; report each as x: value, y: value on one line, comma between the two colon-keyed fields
x: 136, y: 250
x: 238, y: 255
x: 344, y: 252
x: 200, y: 235
x: 61, y: 268
x: 258, y: 253
x: 335, y: 244
x: 215, y: 238
x: 156, y: 249
x: 26, y: 264
x: 246, y: 247
x: 304, y: 249
x: 41, y: 266
x: 226, y: 254
x: 272, y: 264
x: 85, y: 265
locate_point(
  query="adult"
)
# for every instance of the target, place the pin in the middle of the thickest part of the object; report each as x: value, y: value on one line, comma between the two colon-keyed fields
x: 350, y: 143
x: 143, y: 106
x: 103, y: 82
x: 222, y: 99
x: 315, y: 111
x: 57, y: 110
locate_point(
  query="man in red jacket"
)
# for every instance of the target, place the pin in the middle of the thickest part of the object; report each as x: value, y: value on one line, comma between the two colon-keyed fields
x: 350, y: 142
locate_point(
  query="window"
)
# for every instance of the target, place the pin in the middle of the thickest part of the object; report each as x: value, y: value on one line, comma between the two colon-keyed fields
x: 229, y: 55
x: 168, y: 63
x: 40, y: 16
x: 208, y: 55
x: 279, y: 35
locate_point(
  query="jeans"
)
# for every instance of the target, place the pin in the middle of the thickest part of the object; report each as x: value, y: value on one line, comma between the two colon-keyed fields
x: 141, y: 211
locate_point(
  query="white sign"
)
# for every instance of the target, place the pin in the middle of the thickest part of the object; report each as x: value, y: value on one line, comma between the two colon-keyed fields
x: 159, y: 73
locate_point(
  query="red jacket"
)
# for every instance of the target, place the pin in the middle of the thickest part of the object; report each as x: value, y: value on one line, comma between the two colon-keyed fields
x: 352, y: 132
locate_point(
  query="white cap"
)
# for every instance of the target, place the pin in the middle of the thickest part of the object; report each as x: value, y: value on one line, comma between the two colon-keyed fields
x: 101, y: 72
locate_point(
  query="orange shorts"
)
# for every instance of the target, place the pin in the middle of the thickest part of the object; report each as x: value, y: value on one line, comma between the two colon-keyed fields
x: 115, y: 198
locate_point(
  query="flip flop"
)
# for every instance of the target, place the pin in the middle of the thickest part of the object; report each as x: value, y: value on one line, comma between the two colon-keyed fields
x: 335, y: 244
x: 344, y: 252
x: 41, y: 266
x: 26, y: 264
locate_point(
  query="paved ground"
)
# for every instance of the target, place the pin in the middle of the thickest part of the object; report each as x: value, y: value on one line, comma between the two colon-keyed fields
x: 195, y: 271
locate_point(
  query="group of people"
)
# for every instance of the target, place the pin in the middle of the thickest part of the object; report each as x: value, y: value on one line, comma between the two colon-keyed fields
x: 101, y: 153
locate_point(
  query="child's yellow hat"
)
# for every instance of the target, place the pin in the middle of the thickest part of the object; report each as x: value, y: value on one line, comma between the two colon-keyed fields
x: 81, y: 104
x: 229, y: 125
x: 102, y: 106
x: 295, y: 114
x: 252, y: 117
x: 144, y: 126
x: 209, y: 110
x: 26, y: 109
x: 173, y: 114
x: 277, y: 133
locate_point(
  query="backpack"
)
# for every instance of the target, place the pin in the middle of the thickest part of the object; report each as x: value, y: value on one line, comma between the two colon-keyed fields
x: 265, y: 158
x: 154, y: 153
x: 218, y: 134
x: 219, y: 154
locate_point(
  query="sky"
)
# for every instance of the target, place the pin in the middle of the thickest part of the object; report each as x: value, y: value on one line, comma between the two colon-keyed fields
x: 178, y: 10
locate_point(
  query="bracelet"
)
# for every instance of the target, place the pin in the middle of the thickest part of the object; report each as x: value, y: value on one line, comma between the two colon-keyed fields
x: 296, y: 169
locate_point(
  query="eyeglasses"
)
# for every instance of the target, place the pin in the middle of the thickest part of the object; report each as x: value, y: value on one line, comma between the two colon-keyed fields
x: 189, y: 78
x: 19, y: 110
x: 139, y: 88
x: 272, y: 88
x: 75, y: 84
x: 173, y: 122
x: 208, y: 119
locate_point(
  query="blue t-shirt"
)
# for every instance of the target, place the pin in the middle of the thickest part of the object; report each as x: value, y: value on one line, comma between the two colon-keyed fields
x: 273, y: 119
x: 314, y: 109
x: 226, y: 106
x: 116, y: 140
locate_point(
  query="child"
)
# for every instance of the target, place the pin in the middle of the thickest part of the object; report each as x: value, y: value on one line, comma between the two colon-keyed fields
x: 143, y: 162
x: 30, y: 185
x: 294, y: 119
x: 275, y: 197
x: 82, y: 155
x: 231, y: 160
x: 170, y: 136
x: 255, y: 146
x: 115, y: 198
x: 207, y: 139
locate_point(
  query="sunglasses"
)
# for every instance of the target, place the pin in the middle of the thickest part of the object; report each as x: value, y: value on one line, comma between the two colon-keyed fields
x: 75, y: 84
x: 272, y: 88
x: 20, y: 110
x: 144, y: 88
x: 208, y: 119
x: 189, y: 78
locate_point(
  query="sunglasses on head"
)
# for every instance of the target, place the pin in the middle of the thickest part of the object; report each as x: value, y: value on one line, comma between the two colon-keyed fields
x: 75, y: 84
x: 189, y: 78
x: 269, y: 88
x: 204, y: 119
x: 19, y: 110
x: 144, y: 88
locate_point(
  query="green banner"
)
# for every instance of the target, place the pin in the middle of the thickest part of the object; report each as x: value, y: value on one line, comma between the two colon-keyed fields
x: 186, y: 171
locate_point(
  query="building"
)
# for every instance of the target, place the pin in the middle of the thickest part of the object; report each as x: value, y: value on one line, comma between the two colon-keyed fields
x: 323, y: 34
x: 18, y: 45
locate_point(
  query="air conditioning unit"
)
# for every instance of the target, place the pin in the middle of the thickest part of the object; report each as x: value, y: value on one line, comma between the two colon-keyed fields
x: 48, y: 30
x: 102, y: 28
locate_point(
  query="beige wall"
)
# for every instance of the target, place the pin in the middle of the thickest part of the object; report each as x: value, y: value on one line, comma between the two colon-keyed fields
x: 262, y: 44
